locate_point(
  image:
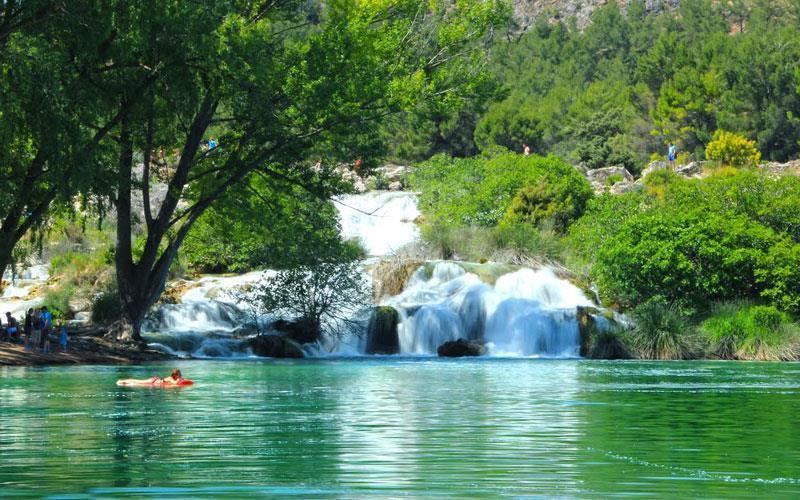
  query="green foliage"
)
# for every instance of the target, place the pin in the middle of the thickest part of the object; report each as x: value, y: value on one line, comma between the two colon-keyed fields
x: 732, y: 149
x: 106, y: 306
x: 613, y: 179
x: 558, y: 199
x: 257, y: 227
x: 630, y: 83
x: 477, y: 191
x: 57, y: 300
x: 324, y: 295
x: 745, y: 331
x: 662, y: 331
x: 731, y: 235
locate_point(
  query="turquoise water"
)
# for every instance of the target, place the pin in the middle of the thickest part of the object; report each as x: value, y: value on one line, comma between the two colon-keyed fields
x: 394, y: 427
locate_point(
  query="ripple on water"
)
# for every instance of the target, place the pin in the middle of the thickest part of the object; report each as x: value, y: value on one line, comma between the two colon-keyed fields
x: 397, y: 427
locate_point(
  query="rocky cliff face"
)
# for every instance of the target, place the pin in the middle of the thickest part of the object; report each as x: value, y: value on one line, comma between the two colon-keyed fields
x: 526, y: 11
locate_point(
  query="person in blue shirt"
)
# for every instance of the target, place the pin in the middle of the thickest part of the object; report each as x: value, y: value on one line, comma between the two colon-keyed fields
x: 671, y: 154
x: 63, y: 339
x: 212, y: 143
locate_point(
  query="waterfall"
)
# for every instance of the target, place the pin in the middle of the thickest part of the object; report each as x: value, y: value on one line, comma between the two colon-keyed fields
x: 525, y: 313
x: 514, y: 311
x: 382, y: 220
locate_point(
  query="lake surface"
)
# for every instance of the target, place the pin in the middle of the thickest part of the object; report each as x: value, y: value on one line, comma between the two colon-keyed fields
x: 415, y: 427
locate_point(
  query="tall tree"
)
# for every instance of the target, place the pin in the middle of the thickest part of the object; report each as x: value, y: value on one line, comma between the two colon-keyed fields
x: 282, y: 85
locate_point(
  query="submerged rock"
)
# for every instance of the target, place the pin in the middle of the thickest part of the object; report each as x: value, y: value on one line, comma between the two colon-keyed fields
x: 460, y: 348
x: 382, y: 335
x: 275, y: 346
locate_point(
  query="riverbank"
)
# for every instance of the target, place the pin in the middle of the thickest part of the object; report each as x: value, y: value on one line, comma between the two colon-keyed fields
x: 86, y: 346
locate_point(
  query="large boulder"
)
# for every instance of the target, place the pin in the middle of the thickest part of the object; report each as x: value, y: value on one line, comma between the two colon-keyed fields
x: 599, y: 341
x: 303, y: 331
x: 655, y: 166
x: 382, y: 335
x: 461, y: 348
x: 275, y: 346
x: 603, y: 179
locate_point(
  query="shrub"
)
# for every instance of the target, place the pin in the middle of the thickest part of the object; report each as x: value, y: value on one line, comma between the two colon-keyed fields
x: 57, y: 300
x: 753, y: 332
x: 732, y: 149
x: 779, y: 274
x: 478, y: 191
x: 529, y: 240
x: 106, y: 307
x: 559, y: 200
x: 662, y: 331
x: 613, y: 179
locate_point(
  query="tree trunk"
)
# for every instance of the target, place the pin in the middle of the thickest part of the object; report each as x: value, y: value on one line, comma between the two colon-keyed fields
x: 6, y: 247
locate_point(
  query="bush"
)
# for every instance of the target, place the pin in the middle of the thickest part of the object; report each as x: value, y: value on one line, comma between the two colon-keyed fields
x: 752, y: 332
x: 662, y: 331
x: 57, y: 300
x: 106, y: 307
x: 558, y: 200
x: 779, y: 274
x: 529, y: 240
x: 732, y: 149
x: 478, y: 191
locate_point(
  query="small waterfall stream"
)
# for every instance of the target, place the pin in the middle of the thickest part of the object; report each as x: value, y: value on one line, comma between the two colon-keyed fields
x: 513, y: 311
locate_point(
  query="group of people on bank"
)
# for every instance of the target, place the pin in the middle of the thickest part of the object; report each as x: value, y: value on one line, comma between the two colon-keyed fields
x: 37, y: 332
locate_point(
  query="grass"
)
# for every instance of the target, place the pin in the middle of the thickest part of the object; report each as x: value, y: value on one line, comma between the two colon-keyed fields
x: 744, y: 331
x: 661, y: 331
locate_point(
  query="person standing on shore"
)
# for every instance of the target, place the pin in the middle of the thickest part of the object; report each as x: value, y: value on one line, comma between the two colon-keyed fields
x: 37, y: 330
x: 12, y: 328
x: 63, y: 339
x: 28, y: 328
x: 671, y: 154
x: 526, y: 150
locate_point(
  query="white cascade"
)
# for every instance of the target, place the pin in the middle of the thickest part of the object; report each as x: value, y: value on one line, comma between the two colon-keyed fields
x: 382, y: 220
x: 525, y: 313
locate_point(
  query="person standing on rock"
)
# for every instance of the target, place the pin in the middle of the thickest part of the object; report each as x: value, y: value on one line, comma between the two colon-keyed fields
x: 671, y: 154
x: 526, y: 150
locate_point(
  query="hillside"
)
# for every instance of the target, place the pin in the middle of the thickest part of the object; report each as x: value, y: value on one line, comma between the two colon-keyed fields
x: 526, y: 11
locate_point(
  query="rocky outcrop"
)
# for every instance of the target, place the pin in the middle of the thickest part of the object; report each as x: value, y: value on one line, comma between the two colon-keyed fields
x: 390, y: 275
x: 690, y: 170
x: 527, y: 11
x: 776, y: 169
x: 599, y: 341
x: 382, y: 335
x: 275, y: 346
x: 461, y: 348
x: 605, y: 179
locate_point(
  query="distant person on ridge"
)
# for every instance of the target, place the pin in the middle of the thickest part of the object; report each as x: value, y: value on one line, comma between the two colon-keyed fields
x: 526, y: 150
x: 671, y: 154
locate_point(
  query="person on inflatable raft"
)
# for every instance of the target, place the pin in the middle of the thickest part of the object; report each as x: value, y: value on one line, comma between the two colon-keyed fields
x: 175, y: 379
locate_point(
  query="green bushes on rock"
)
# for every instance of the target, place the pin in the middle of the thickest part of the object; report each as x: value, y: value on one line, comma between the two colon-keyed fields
x: 752, y: 332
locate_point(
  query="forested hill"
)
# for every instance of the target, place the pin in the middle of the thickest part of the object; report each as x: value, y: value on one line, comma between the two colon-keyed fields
x: 527, y: 11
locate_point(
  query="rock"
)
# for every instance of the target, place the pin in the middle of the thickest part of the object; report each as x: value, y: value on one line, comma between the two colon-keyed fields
x: 275, y: 346
x: 79, y: 304
x: 599, y: 341
x: 460, y: 348
x: 382, y: 335
x: 604, y: 179
x: 395, y: 186
x: 394, y: 173
x: 693, y: 169
x: 390, y: 275
x: 776, y: 169
x: 655, y: 166
x: 303, y: 331
x: 359, y: 186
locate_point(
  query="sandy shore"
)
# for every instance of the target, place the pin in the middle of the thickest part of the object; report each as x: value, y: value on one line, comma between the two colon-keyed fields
x: 85, y: 347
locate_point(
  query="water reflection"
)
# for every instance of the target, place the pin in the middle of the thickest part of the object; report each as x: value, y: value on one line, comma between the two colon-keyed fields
x: 405, y: 426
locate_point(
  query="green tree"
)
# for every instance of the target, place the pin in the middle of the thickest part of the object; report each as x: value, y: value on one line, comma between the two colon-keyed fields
x: 280, y: 91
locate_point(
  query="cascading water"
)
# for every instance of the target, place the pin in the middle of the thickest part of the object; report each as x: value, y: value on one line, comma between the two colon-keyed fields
x: 206, y: 323
x: 382, y: 220
x: 514, y: 311
x: 525, y: 313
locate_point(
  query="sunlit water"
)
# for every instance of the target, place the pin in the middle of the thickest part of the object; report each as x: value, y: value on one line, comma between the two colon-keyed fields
x: 396, y: 427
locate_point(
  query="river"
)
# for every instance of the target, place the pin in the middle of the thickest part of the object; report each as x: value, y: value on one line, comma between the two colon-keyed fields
x: 395, y: 426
